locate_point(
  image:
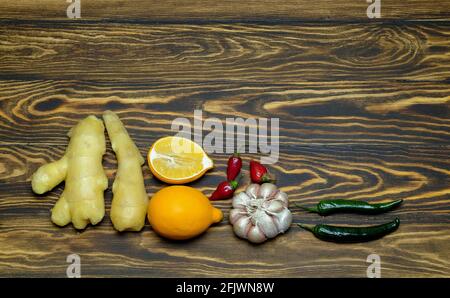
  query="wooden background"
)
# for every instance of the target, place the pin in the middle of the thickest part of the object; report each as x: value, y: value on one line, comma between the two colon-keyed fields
x: 363, y: 107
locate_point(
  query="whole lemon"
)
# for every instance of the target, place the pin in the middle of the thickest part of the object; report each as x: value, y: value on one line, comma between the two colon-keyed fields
x: 181, y: 212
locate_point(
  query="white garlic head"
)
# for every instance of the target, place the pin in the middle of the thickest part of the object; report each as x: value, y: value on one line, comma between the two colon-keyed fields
x: 260, y: 212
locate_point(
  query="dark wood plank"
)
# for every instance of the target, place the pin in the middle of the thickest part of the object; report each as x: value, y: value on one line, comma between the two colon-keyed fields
x: 231, y: 10
x: 311, y: 113
x: 420, y: 175
x: 40, y: 249
x: 363, y: 107
x: 307, y: 174
x: 247, y: 52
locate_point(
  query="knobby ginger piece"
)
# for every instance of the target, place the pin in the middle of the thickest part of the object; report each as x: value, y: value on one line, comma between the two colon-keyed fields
x: 82, y: 200
x: 130, y: 199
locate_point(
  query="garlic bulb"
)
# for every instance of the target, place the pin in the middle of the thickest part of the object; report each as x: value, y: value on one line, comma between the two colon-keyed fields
x: 260, y: 212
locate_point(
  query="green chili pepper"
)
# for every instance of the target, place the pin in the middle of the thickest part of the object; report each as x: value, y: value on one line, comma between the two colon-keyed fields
x: 351, y: 234
x: 326, y: 207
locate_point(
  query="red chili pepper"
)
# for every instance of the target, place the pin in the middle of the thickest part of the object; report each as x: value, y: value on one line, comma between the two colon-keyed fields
x: 224, y: 190
x: 234, y: 166
x: 259, y: 173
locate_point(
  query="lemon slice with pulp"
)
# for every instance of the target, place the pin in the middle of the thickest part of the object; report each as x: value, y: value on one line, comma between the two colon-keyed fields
x: 178, y: 160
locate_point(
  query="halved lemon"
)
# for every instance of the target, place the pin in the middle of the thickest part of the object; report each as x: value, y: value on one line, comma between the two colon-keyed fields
x: 178, y: 160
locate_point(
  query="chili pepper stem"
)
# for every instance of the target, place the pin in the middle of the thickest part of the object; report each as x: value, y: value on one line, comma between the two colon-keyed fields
x: 306, y: 227
x: 239, y: 177
x: 267, y: 178
x: 235, y: 183
x: 313, y: 209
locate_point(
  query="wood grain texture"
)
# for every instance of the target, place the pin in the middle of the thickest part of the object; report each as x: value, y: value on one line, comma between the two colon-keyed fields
x: 225, y: 11
x: 232, y: 52
x: 419, y: 175
x: 363, y: 106
x: 311, y: 113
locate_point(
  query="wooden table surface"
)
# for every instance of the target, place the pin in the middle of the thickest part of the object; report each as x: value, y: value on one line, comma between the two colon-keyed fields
x: 363, y: 107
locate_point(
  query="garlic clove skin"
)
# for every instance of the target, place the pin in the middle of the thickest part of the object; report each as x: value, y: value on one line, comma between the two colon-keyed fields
x: 275, y: 206
x: 267, y: 190
x: 255, y: 235
x: 253, y: 191
x: 242, y: 226
x: 283, y: 197
x: 283, y: 220
x: 240, y: 200
x: 235, y: 215
x: 267, y: 226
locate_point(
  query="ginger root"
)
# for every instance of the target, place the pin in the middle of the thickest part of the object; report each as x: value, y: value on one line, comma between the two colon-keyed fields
x: 130, y: 199
x: 81, y: 167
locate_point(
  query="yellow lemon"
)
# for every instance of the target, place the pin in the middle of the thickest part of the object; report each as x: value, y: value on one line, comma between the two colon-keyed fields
x: 181, y: 212
x: 177, y: 160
